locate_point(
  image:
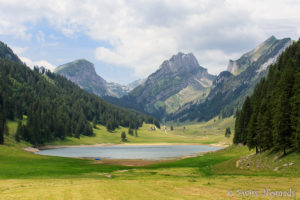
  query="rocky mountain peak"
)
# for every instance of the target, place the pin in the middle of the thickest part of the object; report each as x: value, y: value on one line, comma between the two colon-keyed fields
x: 76, y: 66
x: 83, y: 73
x: 181, y: 62
x: 270, y: 48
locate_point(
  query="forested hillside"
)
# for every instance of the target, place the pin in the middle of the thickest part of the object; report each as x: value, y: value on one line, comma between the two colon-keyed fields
x: 270, y: 118
x: 55, y: 107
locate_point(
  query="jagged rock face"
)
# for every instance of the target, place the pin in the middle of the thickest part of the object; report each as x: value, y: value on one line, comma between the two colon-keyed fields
x: 221, y: 78
x: 229, y: 91
x: 174, y: 75
x: 271, y: 47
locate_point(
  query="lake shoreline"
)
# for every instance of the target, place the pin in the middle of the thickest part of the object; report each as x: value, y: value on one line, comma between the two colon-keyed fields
x: 138, y: 162
x: 32, y: 150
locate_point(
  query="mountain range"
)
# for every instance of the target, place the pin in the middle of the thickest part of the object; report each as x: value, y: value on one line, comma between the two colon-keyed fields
x: 180, y: 89
x: 232, y: 86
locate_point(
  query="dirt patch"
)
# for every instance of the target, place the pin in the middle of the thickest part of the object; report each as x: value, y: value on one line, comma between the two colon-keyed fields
x: 31, y: 149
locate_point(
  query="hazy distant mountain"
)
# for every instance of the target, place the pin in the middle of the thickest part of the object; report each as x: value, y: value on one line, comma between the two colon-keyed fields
x: 135, y: 83
x: 229, y: 91
x: 82, y: 72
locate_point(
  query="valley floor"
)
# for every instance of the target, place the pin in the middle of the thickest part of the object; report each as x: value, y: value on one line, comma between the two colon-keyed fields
x: 230, y: 173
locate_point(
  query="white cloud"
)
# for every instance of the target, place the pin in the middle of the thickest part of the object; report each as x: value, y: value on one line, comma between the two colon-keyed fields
x: 144, y: 33
x: 39, y: 63
x: 40, y: 36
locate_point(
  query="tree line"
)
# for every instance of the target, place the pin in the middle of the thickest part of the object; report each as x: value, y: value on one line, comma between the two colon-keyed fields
x: 55, y: 107
x: 270, y: 118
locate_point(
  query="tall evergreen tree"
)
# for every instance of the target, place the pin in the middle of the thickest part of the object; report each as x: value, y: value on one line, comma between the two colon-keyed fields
x: 2, y: 128
x: 237, y: 128
x: 19, y: 131
x: 245, y: 116
x: 274, y: 107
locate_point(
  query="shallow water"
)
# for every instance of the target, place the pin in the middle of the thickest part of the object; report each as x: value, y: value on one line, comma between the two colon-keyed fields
x: 149, y: 152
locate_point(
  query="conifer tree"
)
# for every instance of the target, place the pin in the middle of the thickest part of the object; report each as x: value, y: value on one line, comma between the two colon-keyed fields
x: 237, y: 129
x: 19, y: 131
x: 123, y: 137
x: 2, y: 128
x: 135, y: 133
x: 227, y: 132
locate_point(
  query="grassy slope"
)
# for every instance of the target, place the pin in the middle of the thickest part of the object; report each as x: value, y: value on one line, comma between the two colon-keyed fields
x: 211, y: 176
x: 213, y: 133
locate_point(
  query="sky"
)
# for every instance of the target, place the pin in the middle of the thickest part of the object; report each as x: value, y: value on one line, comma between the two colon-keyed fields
x: 129, y: 39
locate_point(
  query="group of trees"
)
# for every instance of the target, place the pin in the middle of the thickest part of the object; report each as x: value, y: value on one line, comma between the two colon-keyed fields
x: 270, y: 118
x: 55, y: 107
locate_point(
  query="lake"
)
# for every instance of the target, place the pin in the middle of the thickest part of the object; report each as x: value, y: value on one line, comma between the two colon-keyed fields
x: 148, y: 152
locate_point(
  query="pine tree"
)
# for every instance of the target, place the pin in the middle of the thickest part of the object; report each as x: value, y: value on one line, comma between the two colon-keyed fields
x: 109, y: 126
x: 227, y: 132
x: 295, y: 112
x: 282, y: 123
x: 237, y: 129
x: 135, y: 133
x: 244, y: 119
x: 19, y: 131
x: 252, y: 139
x: 94, y: 122
x: 130, y: 131
x: 296, y: 138
x: 156, y: 123
x: 123, y: 137
x: 2, y: 128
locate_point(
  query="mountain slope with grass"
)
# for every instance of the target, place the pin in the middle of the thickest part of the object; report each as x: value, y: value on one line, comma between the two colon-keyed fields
x: 177, y: 81
x: 230, y: 90
x: 55, y: 107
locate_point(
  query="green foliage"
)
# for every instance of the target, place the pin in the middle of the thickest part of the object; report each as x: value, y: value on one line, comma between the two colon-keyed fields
x: 2, y: 128
x: 273, y: 111
x: 130, y: 131
x: 123, y: 137
x: 227, y: 132
x: 94, y: 122
x: 19, y: 131
x: 56, y: 107
x: 135, y: 133
x: 7, y: 53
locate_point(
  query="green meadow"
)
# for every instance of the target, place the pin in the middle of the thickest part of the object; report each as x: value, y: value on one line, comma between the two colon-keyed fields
x: 230, y: 173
